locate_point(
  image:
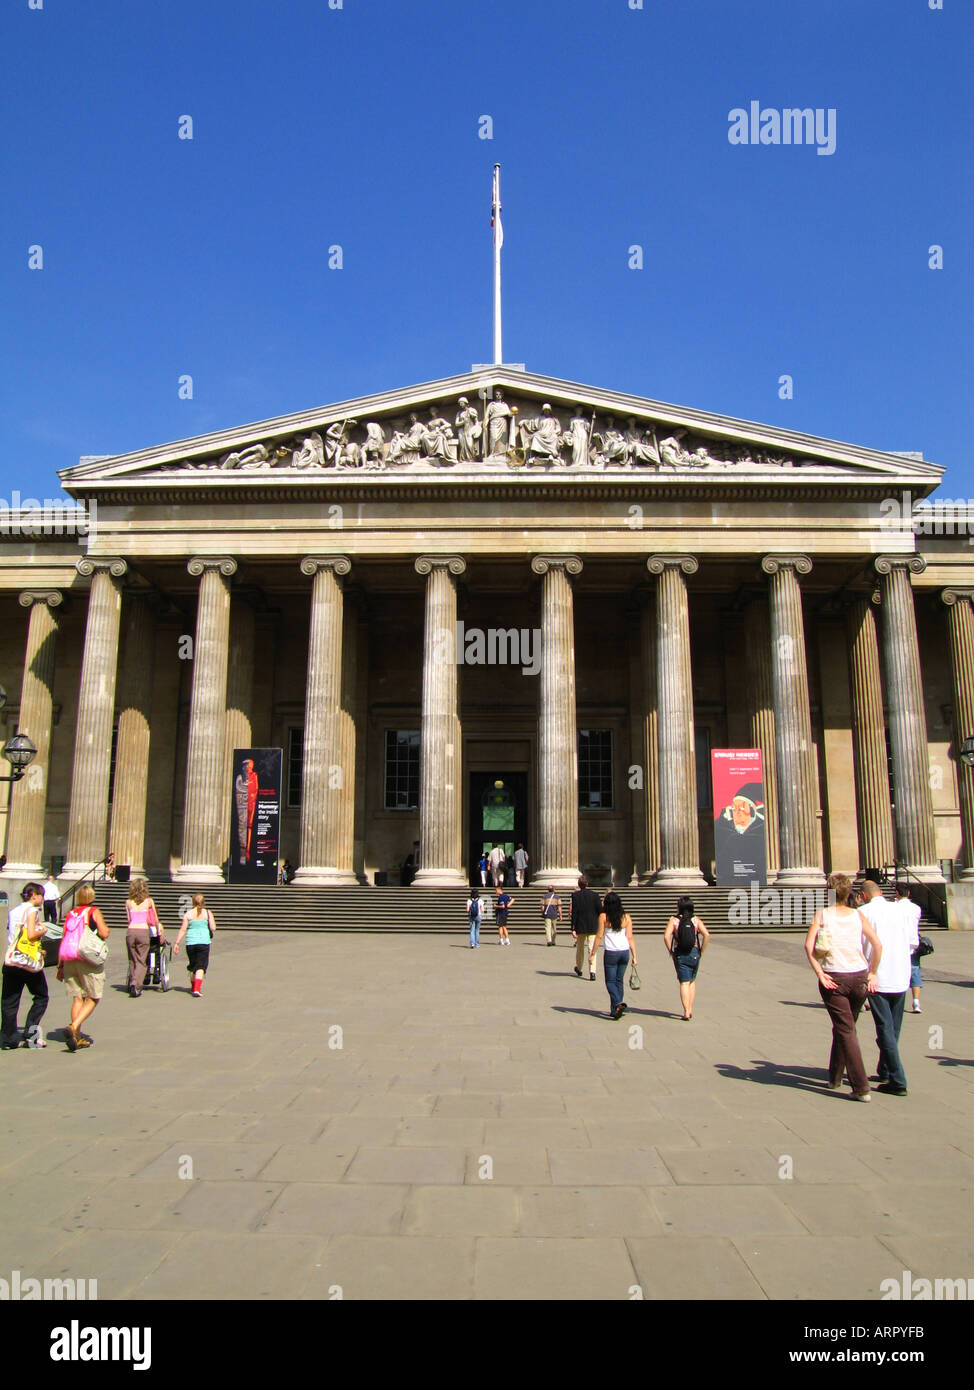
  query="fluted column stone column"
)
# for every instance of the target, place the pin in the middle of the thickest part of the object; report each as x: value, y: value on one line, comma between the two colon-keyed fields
x: 324, y: 770
x: 679, y: 828
x: 799, y: 837
x: 238, y: 732
x: 557, y: 725
x: 203, y: 849
x: 88, y: 814
x: 760, y: 681
x: 913, y: 805
x: 28, y: 797
x: 960, y: 625
x: 440, y: 799
x: 127, y: 836
x: 874, y: 815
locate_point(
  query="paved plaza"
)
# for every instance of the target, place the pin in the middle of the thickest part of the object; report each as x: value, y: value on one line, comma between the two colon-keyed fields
x: 401, y: 1117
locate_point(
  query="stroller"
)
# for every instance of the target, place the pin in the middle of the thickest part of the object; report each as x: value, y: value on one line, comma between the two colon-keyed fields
x: 159, y: 969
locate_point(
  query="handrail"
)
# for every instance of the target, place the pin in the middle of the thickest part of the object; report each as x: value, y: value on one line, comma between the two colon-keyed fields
x: 936, y: 904
x: 91, y: 873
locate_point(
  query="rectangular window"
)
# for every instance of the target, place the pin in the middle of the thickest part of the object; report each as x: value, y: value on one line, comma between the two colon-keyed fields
x: 402, y: 770
x: 595, y: 769
x: 705, y: 787
x: 295, y: 764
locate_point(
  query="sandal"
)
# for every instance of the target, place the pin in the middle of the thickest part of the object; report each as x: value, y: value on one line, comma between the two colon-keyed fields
x: 84, y: 1042
x: 71, y: 1038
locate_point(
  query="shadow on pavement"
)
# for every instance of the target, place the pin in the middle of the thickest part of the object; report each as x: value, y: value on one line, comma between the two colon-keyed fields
x: 774, y: 1074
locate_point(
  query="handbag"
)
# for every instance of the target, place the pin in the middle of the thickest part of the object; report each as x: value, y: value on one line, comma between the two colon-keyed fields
x: 925, y: 948
x: 634, y: 980
x: 823, y: 944
x: 91, y: 948
x: 25, y: 954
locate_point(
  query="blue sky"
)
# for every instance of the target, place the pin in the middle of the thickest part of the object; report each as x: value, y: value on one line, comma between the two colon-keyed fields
x: 359, y: 127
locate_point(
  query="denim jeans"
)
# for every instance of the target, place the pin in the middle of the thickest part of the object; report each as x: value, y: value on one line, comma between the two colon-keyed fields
x: 888, y: 1017
x: 615, y: 963
x: 475, y: 931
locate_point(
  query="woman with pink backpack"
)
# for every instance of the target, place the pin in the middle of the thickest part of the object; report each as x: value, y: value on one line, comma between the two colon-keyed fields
x: 81, y: 963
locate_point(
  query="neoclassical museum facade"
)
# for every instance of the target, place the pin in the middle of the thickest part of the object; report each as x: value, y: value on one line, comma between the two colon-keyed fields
x: 502, y: 591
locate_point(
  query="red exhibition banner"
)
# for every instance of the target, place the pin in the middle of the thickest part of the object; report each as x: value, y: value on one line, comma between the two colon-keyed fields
x: 740, y: 845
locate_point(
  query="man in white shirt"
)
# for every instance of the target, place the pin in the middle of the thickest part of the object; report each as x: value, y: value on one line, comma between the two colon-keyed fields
x: 51, y: 895
x: 910, y: 912
x: 892, y: 983
x: 520, y: 864
x: 497, y: 860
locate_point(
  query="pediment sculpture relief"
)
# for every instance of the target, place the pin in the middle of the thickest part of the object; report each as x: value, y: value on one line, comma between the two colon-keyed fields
x: 502, y: 434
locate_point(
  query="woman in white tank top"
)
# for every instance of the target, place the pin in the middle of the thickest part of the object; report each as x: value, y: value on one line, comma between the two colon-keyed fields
x: 834, y: 947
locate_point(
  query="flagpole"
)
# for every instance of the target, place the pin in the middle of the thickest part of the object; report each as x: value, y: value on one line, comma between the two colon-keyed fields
x: 498, y: 237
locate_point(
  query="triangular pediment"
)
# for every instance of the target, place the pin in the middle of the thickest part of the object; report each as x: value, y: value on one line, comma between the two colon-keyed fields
x: 501, y: 421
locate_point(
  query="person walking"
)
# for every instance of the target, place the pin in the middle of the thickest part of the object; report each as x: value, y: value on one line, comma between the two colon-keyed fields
x: 503, y: 905
x: 586, y: 907
x: 834, y: 947
x: 83, y: 980
x: 521, y: 861
x: 906, y: 908
x: 198, y: 928
x: 51, y: 899
x: 551, y: 914
x: 686, y: 938
x: 23, y: 968
x: 892, y: 983
x: 615, y: 932
x: 483, y: 868
x: 497, y: 859
x: 143, y: 924
x: 475, y: 912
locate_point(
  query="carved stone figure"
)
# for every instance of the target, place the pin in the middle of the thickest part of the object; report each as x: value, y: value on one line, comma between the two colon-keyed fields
x: 643, y: 448
x: 310, y: 453
x: 408, y: 446
x: 374, y: 446
x: 469, y: 431
x: 674, y: 454
x: 578, y: 437
x: 613, y: 447
x: 335, y: 441
x: 438, y: 440
x: 255, y: 456
x: 541, y: 437
x: 496, y: 419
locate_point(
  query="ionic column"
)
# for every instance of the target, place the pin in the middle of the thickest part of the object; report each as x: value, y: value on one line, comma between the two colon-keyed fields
x: 799, y: 838
x: 203, y: 847
x: 679, y: 832
x: 913, y: 806
x: 440, y: 801
x: 761, y: 700
x: 324, y: 771
x: 240, y: 693
x: 127, y: 837
x: 874, y: 816
x: 960, y: 623
x: 88, y: 814
x: 651, y: 737
x: 557, y: 727
x: 28, y: 797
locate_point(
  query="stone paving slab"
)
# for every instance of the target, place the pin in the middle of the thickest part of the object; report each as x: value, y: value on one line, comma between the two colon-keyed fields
x: 512, y: 1142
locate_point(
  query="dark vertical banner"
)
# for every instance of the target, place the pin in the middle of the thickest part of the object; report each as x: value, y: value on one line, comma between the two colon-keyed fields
x: 740, y: 843
x: 255, y: 814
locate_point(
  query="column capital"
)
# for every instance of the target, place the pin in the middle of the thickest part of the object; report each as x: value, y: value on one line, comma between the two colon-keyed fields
x: 52, y: 597
x: 311, y: 564
x: 801, y: 564
x: 89, y: 565
x: 425, y: 564
x: 952, y: 596
x: 656, y: 564
x: 884, y: 564
x: 224, y: 563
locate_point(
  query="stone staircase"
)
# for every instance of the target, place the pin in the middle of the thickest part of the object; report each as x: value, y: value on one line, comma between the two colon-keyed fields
x: 258, y: 907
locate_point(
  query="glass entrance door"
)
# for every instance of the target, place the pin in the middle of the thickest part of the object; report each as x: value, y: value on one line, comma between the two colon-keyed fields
x: 498, y: 815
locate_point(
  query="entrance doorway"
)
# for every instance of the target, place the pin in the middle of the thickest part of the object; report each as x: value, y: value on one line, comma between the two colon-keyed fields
x: 498, y: 815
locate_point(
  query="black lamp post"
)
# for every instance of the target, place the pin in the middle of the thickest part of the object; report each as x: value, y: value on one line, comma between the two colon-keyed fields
x: 19, y: 752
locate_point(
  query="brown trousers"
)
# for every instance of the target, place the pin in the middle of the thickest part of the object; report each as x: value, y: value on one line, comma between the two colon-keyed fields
x: 844, y: 1005
x: 137, y: 944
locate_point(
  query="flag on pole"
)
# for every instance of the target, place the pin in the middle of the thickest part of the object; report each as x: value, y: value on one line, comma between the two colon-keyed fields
x: 495, y: 211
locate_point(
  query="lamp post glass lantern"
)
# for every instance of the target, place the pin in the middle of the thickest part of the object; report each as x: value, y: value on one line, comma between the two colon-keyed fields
x: 967, y: 751
x: 19, y: 752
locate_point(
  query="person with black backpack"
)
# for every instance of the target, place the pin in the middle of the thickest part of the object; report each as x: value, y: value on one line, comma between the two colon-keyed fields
x: 686, y: 940
x: 475, y: 913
